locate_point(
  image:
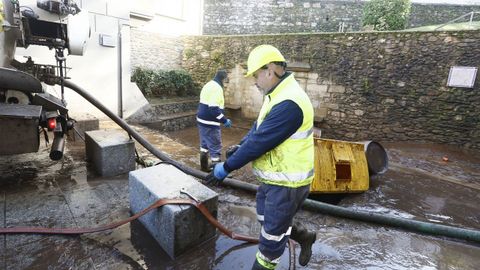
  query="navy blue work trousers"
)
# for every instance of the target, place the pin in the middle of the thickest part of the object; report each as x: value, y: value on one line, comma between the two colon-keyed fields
x: 276, y: 207
x: 211, y: 139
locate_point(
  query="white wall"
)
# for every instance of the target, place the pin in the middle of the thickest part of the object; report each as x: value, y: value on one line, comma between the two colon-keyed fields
x: 168, y: 17
x: 97, y: 71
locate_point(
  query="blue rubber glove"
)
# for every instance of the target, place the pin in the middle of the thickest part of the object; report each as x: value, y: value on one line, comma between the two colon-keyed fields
x: 228, y: 123
x: 217, y: 175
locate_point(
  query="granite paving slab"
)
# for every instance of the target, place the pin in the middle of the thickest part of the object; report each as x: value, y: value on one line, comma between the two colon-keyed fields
x: 40, y: 208
x: 93, y: 206
x: 61, y: 251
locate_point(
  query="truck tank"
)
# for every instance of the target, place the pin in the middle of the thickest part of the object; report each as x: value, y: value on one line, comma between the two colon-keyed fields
x: 25, y: 107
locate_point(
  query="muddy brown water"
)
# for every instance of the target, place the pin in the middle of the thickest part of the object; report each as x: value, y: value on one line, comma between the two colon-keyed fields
x: 420, y: 185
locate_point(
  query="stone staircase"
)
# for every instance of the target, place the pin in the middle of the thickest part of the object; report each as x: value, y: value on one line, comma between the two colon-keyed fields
x: 167, y: 115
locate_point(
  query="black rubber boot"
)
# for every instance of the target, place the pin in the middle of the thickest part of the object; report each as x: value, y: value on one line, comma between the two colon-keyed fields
x: 306, y: 240
x: 204, y: 161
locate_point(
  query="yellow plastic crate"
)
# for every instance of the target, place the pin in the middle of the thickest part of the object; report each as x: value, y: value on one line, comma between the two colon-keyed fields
x: 340, y: 167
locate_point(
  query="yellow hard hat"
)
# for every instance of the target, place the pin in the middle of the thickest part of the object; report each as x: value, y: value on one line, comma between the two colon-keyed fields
x: 262, y: 55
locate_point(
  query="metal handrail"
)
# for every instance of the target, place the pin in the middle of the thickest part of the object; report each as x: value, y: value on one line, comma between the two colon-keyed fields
x: 471, y: 14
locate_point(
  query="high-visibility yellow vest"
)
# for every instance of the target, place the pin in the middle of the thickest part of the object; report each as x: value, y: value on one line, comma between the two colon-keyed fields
x: 289, y: 164
x: 212, y: 95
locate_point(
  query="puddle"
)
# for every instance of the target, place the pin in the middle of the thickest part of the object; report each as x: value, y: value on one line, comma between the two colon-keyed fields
x: 420, y: 185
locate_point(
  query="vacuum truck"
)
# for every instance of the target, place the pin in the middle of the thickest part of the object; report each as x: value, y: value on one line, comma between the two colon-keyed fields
x: 26, y: 109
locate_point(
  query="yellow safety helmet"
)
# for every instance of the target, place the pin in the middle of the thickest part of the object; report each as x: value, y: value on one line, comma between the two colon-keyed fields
x: 262, y: 55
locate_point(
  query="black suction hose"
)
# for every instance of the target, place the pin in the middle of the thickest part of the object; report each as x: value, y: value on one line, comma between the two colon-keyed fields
x: 407, y: 224
x: 140, y: 139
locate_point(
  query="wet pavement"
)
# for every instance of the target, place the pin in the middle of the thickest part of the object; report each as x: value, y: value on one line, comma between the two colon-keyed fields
x: 420, y: 185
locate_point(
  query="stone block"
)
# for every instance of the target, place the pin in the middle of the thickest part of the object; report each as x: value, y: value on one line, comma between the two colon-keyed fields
x: 177, y: 228
x: 359, y: 112
x: 336, y: 89
x: 112, y: 152
x: 389, y: 100
x: 84, y: 122
x: 321, y: 113
x: 332, y: 106
x: 313, y: 76
x: 318, y: 88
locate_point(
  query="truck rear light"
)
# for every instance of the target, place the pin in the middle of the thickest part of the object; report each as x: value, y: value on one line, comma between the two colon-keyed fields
x: 52, y: 124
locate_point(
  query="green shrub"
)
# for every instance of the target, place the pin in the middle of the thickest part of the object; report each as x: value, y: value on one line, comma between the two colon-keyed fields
x: 165, y: 83
x: 386, y: 15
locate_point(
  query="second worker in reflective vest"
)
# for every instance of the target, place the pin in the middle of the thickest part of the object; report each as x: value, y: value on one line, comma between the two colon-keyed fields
x: 280, y: 145
x: 210, y: 116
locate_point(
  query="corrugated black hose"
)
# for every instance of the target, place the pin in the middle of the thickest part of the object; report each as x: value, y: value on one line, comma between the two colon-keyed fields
x: 324, y: 208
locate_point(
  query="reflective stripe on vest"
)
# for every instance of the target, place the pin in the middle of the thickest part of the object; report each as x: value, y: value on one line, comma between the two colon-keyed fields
x: 280, y: 176
x: 290, y: 163
x: 301, y: 134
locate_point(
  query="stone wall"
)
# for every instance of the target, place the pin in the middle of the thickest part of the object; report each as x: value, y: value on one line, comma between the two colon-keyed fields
x: 229, y: 17
x: 387, y: 86
x: 155, y: 51
x: 272, y: 16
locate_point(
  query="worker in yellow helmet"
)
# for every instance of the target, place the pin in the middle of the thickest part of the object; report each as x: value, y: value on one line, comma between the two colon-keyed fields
x: 280, y: 144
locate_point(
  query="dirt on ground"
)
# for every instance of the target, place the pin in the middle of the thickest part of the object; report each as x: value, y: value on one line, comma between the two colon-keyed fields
x: 426, y: 182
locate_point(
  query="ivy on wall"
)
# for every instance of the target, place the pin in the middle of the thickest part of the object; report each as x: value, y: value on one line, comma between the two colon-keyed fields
x: 165, y: 83
x: 386, y: 15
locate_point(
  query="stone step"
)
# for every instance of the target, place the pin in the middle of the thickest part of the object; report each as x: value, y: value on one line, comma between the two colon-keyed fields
x: 173, y: 107
x: 173, y: 122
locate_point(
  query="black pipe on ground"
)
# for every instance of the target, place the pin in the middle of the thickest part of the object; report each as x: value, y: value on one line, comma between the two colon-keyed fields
x: 328, y: 209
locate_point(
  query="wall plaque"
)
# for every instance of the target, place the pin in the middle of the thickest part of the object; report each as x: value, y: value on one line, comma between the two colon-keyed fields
x: 462, y: 76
